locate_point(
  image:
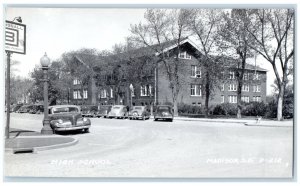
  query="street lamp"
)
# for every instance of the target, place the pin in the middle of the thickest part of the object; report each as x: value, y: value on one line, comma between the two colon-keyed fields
x: 131, y: 91
x: 45, y: 62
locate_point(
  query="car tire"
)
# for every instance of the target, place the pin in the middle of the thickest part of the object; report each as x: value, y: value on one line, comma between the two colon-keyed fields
x: 155, y: 119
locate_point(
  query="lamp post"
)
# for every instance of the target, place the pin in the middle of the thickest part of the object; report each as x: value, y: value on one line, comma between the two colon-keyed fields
x: 131, y: 90
x: 45, y: 62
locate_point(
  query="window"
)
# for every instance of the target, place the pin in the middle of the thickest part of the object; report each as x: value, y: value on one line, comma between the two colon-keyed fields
x: 231, y: 75
x: 246, y: 76
x: 232, y: 87
x: 223, y: 87
x: 245, y: 99
x: 232, y: 99
x: 195, y: 71
x: 103, y: 93
x: 76, y: 94
x: 245, y: 88
x: 195, y: 90
x: 222, y: 99
x: 76, y: 82
x: 146, y: 90
x: 184, y: 55
x: 256, y: 76
x: 85, y: 94
x: 111, y: 93
x: 256, y: 98
x: 256, y: 88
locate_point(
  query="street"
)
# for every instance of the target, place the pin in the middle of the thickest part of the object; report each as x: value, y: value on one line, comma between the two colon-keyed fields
x: 184, y: 149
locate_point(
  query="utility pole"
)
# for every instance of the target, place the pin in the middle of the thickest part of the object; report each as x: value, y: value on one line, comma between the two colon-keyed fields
x: 8, y: 54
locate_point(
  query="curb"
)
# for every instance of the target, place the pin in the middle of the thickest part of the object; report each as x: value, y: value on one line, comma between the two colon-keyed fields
x: 265, y: 125
x: 187, y: 119
x: 42, y: 148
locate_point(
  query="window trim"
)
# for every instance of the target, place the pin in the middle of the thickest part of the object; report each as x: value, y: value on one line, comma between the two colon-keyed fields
x: 194, y: 86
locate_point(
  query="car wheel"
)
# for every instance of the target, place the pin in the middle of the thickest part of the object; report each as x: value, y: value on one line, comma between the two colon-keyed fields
x: 155, y: 119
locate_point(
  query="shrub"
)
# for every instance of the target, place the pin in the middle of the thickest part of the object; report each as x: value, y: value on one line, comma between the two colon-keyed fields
x: 254, y: 109
x: 225, y: 109
x: 189, y: 109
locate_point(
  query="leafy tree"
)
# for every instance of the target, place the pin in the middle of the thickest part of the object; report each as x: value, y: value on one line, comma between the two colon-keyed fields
x: 272, y: 31
x: 204, y: 24
x: 161, y: 28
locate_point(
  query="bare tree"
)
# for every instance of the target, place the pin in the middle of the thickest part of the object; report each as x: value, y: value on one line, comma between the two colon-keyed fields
x: 162, y: 27
x: 204, y: 25
x: 272, y: 31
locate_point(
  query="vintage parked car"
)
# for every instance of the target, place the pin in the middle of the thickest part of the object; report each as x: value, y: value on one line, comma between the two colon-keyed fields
x: 16, y: 107
x: 25, y: 109
x: 37, y: 109
x: 118, y: 111
x: 139, y: 112
x: 104, y: 110
x: 89, y: 110
x: 67, y: 118
x: 164, y: 112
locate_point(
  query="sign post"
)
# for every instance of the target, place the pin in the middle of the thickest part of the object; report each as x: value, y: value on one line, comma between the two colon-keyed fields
x: 15, y: 42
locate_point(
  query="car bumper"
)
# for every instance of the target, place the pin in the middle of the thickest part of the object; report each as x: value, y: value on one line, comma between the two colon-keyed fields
x: 72, y: 128
x: 163, y: 117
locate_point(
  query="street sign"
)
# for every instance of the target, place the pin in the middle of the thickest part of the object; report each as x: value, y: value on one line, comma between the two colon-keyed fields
x: 15, y: 37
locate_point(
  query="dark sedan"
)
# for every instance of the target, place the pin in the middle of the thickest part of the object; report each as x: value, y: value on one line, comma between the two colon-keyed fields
x: 164, y: 112
x: 67, y: 118
x: 89, y: 110
x: 103, y: 111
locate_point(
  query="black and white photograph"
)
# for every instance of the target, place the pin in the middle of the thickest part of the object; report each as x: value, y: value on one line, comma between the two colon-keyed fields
x: 149, y: 92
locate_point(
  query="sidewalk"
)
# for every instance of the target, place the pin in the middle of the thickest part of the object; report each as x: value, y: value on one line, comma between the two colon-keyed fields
x: 247, y: 122
x: 22, y: 141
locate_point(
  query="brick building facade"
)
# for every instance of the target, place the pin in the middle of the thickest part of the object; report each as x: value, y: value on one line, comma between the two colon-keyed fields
x: 156, y: 88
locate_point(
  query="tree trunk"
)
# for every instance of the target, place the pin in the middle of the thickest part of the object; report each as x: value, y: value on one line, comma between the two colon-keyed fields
x: 207, y: 94
x: 175, y: 108
x: 239, y: 102
x: 280, y: 103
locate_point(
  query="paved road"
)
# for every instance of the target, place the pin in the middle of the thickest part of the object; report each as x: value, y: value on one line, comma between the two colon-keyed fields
x: 126, y: 148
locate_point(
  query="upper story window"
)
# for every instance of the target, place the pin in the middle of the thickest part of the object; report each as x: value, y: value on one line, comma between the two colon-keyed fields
x: 256, y: 76
x: 184, y: 55
x: 195, y: 71
x: 231, y: 75
x: 256, y: 88
x: 232, y: 87
x: 195, y: 90
x: 246, y: 76
x: 76, y: 82
x: 245, y: 88
x: 223, y: 87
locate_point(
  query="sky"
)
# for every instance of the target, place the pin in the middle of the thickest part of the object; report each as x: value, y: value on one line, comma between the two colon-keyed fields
x: 59, y: 30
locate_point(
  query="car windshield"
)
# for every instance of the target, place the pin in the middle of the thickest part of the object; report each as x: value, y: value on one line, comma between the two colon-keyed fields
x: 104, y: 108
x: 65, y: 110
x: 163, y: 109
